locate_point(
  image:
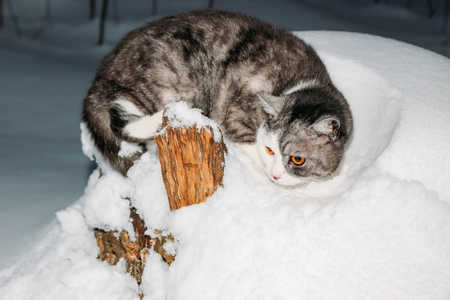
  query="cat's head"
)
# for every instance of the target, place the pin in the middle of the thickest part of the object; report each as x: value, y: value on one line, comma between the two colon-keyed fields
x: 303, y: 137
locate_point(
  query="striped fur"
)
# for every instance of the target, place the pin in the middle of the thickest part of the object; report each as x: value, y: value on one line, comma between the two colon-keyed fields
x: 218, y: 62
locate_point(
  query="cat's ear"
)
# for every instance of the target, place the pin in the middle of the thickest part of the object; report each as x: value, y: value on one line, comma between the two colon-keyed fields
x: 329, y: 126
x: 272, y: 105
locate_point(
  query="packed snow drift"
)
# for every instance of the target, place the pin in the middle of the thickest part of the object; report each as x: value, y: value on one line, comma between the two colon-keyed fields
x: 380, y: 229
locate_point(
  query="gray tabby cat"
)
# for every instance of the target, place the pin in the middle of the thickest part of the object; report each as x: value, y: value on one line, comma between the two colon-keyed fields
x: 269, y: 92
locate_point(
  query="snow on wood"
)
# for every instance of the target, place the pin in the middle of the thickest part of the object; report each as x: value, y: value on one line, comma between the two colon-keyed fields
x: 114, y: 246
x: 192, y: 160
x: 190, y: 176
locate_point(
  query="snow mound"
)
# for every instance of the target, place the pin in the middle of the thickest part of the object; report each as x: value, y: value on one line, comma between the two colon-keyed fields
x: 380, y: 229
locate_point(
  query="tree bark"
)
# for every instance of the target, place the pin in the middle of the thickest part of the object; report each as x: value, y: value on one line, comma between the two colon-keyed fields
x: 431, y: 9
x: 113, y: 248
x: 92, y: 10
x: 192, y: 163
x: 104, y: 13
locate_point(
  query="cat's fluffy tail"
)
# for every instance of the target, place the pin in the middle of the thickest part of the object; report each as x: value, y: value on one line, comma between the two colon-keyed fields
x: 132, y: 123
x: 111, y: 123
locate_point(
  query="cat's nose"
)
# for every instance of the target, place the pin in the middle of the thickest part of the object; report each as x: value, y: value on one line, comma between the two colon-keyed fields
x: 276, y: 177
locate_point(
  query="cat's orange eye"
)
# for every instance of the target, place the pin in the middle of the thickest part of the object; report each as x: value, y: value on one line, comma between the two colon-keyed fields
x: 268, y: 150
x: 298, y: 160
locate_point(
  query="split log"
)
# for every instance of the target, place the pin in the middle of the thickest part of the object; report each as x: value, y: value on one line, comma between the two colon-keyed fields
x: 192, y: 162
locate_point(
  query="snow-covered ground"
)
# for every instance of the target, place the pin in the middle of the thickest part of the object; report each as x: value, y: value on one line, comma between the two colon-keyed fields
x: 379, y: 229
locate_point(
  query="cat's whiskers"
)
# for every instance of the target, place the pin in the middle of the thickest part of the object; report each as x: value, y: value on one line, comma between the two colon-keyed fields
x: 330, y: 176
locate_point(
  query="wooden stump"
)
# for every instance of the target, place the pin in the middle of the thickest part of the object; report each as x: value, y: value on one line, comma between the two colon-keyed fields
x: 113, y: 248
x: 192, y: 162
